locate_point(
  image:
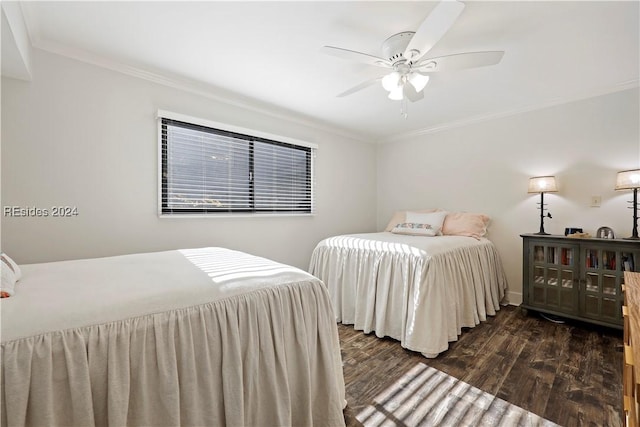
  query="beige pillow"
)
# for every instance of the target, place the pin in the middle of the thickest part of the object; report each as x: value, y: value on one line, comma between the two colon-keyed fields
x: 400, y: 217
x: 465, y: 224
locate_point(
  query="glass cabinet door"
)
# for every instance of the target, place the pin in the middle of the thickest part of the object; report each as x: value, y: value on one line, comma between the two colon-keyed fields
x: 554, y: 276
x: 604, y: 269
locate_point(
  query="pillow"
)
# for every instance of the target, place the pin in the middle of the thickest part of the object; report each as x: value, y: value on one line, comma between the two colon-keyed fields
x: 400, y: 217
x: 414, y: 229
x: 465, y: 224
x: 10, y: 272
x: 434, y: 219
x: 12, y: 265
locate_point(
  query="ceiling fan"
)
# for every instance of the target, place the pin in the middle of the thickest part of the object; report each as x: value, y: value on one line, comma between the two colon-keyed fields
x: 405, y: 54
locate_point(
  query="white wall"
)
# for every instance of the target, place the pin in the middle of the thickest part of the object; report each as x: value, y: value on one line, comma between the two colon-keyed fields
x: 485, y: 167
x: 85, y: 136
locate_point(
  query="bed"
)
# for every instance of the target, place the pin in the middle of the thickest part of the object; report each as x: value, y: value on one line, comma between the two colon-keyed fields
x: 202, y: 337
x: 419, y: 290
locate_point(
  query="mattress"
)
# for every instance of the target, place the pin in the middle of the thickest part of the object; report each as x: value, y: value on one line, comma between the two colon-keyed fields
x: 419, y: 290
x: 204, y: 336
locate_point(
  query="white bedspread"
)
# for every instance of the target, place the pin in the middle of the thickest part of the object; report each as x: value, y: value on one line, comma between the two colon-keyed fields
x: 419, y: 290
x: 192, y: 337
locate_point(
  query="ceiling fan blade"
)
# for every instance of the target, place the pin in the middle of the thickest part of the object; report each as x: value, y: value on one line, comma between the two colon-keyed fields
x: 459, y: 61
x: 410, y: 92
x: 433, y: 28
x: 359, y: 87
x: 356, y: 56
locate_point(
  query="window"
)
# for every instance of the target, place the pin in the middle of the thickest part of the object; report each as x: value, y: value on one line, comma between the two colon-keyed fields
x: 208, y: 170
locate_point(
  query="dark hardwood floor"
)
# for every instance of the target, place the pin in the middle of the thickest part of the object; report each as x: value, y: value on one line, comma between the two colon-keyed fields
x: 568, y: 373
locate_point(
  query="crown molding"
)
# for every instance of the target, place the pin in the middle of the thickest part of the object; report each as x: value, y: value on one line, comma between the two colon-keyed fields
x: 630, y: 84
x: 178, y: 82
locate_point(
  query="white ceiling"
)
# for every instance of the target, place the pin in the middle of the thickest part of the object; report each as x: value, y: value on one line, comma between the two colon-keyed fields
x: 267, y: 53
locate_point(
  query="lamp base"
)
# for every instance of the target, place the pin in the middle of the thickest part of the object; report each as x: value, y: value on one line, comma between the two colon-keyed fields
x: 542, y: 233
x: 631, y: 238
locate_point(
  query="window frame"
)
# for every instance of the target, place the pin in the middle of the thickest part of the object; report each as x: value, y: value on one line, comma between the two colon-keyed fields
x: 243, y: 133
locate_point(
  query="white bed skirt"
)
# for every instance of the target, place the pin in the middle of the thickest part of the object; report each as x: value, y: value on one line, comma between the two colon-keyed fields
x: 419, y: 290
x: 268, y: 357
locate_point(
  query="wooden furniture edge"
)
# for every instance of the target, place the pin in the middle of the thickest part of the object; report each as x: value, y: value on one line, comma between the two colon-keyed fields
x: 631, y: 314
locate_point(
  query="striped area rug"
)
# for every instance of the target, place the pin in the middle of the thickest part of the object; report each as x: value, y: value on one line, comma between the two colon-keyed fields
x: 425, y: 396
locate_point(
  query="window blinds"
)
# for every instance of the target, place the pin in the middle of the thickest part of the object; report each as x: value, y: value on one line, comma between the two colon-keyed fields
x: 207, y: 170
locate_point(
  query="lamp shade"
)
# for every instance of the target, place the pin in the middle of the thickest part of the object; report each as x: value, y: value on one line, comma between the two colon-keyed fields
x: 628, y: 180
x: 542, y: 184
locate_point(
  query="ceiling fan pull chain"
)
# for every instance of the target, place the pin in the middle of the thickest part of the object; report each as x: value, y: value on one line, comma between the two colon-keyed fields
x: 404, y: 108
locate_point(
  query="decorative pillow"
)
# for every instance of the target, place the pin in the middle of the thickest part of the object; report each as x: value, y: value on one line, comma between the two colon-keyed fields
x: 434, y: 219
x: 465, y: 224
x: 414, y: 229
x: 400, y: 217
x: 10, y: 273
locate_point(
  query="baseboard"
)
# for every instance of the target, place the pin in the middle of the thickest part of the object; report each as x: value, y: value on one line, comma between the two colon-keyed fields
x: 513, y: 298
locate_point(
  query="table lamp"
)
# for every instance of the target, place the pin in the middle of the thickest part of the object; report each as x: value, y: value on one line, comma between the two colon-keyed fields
x: 542, y: 184
x: 630, y: 180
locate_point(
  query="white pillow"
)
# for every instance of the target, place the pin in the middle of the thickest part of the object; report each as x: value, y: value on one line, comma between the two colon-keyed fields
x: 434, y: 219
x: 11, y: 263
x: 10, y: 273
x: 414, y: 229
x: 400, y: 216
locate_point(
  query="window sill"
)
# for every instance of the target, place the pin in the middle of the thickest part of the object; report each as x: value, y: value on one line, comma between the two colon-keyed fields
x: 235, y: 215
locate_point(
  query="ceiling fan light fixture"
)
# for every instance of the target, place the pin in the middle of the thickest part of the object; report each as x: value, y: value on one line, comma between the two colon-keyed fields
x: 396, y: 94
x: 391, y: 81
x: 418, y: 81
x: 405, y: 56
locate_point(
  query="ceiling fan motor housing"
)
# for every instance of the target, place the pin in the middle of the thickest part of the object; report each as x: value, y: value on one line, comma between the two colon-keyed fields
x: 393, y: 48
